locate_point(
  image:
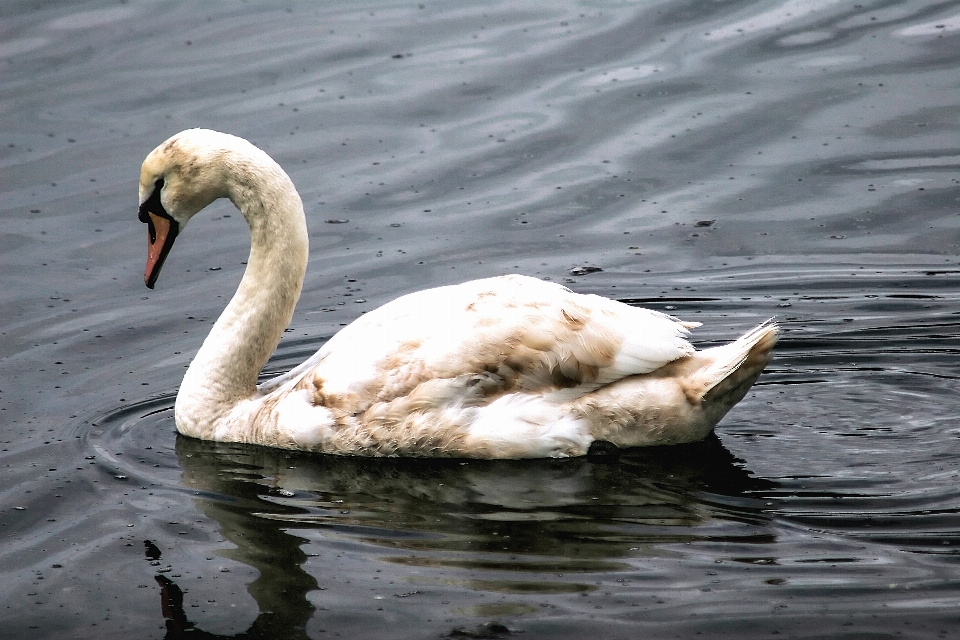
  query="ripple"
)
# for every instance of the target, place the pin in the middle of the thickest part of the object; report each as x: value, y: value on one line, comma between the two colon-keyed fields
x: 866, y: 407
x: 823, y: 467
x: 135, y: 441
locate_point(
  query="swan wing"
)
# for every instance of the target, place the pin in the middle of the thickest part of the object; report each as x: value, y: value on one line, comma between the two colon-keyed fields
x: 471, y: 343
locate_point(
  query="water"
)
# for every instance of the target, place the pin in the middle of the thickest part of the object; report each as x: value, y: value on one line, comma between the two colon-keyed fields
x: 724, y: 161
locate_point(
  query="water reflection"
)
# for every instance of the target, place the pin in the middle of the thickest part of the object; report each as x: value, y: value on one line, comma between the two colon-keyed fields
x: 287, y: 624
x: 511, y: 520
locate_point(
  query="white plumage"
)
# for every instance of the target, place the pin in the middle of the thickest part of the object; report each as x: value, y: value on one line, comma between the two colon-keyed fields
x: 507, y: 367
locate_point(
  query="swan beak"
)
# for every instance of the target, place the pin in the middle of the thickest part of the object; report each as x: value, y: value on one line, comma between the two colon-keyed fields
x: 161, y: 232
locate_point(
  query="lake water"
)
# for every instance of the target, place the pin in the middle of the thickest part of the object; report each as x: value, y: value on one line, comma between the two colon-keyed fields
x: 725, y: 161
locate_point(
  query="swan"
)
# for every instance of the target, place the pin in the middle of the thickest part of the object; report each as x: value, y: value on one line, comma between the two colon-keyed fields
x: 504, y: 367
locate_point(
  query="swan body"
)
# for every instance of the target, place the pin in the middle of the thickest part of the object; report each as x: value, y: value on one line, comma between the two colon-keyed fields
x: 506, y: 367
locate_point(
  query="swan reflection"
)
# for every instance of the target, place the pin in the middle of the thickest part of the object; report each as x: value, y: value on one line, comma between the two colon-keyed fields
x: 511, y: 520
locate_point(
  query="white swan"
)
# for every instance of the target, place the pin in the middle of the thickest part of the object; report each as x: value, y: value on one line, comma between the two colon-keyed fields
x: 508, y: 367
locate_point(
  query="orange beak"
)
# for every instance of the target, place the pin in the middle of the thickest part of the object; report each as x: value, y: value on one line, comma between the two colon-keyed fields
x: 161, y: 232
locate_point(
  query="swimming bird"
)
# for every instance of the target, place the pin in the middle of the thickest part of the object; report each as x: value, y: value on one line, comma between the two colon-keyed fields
x: 502, y: 367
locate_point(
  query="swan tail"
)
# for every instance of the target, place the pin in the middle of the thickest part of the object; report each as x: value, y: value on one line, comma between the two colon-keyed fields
x: 734, y: 367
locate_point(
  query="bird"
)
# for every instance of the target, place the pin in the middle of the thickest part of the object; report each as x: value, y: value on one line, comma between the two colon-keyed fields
x: 502, y: 367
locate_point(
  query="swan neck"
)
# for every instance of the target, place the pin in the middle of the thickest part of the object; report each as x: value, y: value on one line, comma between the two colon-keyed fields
x: 225, y: 370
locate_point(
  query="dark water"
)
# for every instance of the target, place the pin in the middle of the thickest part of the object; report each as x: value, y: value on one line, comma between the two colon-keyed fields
x: 725, y: 161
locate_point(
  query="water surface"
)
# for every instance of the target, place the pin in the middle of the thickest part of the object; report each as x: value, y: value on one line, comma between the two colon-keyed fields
x: 723, y: 161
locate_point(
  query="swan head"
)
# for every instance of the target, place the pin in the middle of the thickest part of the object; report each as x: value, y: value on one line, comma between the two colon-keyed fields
x: 178, y: 179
